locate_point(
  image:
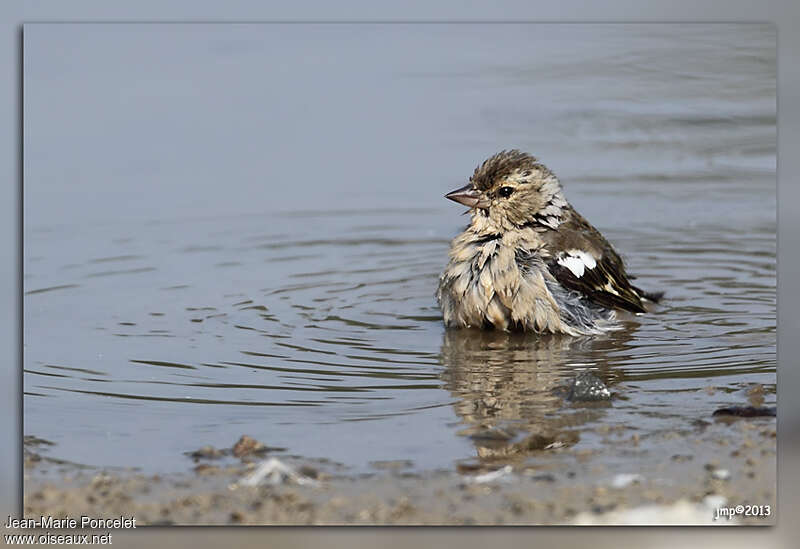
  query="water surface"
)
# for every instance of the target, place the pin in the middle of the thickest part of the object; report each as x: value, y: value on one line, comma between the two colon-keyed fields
x: 239, y: 229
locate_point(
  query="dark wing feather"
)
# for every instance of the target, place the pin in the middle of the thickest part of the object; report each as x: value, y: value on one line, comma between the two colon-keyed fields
x: 606, y: 283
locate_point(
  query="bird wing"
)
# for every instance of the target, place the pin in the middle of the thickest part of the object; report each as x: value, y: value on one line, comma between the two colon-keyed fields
x: 600, y: 280
x: 582, y: 260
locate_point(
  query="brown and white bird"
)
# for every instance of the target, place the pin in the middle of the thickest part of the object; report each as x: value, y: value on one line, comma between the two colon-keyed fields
x: 529, y: 261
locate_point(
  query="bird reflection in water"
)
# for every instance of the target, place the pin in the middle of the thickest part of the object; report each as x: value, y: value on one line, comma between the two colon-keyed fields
x: 511, y: 389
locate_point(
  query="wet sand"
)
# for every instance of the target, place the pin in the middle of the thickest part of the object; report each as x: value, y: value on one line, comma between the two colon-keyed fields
x: 729, y: 461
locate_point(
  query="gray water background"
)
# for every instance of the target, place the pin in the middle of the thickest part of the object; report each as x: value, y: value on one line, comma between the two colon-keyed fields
x: 239, y: 228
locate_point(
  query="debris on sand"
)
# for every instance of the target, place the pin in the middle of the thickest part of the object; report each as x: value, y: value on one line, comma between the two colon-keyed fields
x: 248, y: 445
x: 275, y: 472
x: 31, y: 457
x: 30, y: 440
x: 206, y: 469
x: 682, y: 512
x: 206, y: 452
x: 755, y: 395
x: 720, y: 474
x: 746, y: 411
x: 587, y: 387
x: 504, y: 473
x: 534, y: 442
x: 245, y: 447
x: 626, y: 479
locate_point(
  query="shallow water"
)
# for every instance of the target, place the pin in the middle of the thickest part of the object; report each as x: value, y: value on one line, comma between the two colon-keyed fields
x: 183, y: 297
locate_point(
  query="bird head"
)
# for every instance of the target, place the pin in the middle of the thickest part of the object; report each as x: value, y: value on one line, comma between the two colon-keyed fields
x: 511, y: 188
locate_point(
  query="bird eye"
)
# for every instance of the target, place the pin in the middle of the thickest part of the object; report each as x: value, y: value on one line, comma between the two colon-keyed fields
x: 505, y: 192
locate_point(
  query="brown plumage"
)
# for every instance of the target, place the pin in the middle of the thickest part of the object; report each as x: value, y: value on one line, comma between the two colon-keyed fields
x: 528, y: 260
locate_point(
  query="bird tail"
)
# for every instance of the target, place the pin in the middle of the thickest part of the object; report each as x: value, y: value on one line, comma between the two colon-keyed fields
x: 655, y: 297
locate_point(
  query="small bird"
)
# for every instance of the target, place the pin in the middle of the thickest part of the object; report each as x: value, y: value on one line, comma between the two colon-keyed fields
x: 528, y: 261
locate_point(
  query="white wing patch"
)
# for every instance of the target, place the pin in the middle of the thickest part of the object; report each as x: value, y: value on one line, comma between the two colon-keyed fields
x: 577, y: 261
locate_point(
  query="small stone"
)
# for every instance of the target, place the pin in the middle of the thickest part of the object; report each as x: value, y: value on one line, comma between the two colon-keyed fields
x: 247, y: 445
x: 30, y: 440
x: 587, y: 387
x: 308, y: 471
x: 541, y: 477
x: 721, y: 474
x: 206, y: 452
x: 746, y: 411
x: 206, y: 469
x: 755, y: 396
x: 237, y: 517
x: 467, y: 467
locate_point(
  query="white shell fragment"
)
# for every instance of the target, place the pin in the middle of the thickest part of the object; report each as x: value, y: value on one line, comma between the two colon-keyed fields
x: 499, y: 474
x: 274, y: 471
x: 721, y: 474
x: 626, y: 479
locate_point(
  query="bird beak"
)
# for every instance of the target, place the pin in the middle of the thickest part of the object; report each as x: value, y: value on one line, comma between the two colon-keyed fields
x: 468, y: 196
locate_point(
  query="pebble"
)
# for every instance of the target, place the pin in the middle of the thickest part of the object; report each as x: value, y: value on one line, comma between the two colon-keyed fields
x: 721, y: 474
x: 587, y: 387
x: 746, y: 411
x: 247, y: 445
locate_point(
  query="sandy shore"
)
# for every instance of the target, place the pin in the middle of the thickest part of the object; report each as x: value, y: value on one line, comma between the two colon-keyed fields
x: 727, y: 462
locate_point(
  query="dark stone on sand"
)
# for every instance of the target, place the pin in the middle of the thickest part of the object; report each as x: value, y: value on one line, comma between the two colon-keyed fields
x: 206, y: 469
x: 544, y: 477
x: 247, y: 445
x: 308, y: 471
x: 30, y: 440
x: 244, y: 448
x: 587, y: 387
x: 206, y: 452
x: 536, y: 442
x: 469, y: 467
x: 747, y: 411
